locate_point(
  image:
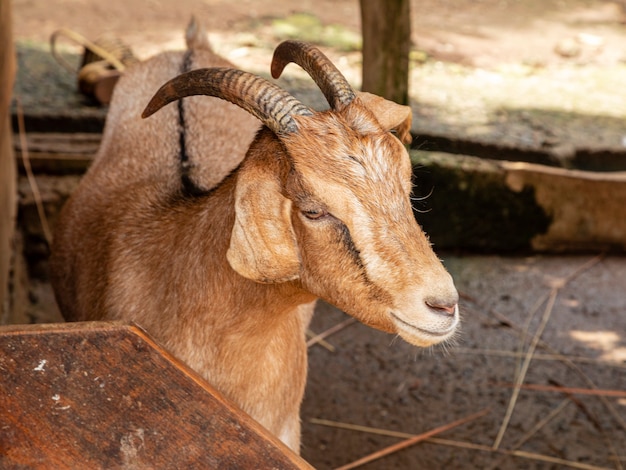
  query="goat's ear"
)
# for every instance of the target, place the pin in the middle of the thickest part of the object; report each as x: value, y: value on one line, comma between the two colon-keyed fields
x: 390, y: 115
x: 262, y: 244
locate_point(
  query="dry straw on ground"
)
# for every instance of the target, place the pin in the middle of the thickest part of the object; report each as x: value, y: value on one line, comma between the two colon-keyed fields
x: 525, y: 357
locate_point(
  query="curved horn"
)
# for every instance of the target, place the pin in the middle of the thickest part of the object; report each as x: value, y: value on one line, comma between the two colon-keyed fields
x: 269, y: 103
x: 328, y: 78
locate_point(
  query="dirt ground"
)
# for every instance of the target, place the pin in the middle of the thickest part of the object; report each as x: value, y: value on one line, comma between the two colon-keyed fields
x: 575, y: 303
x: 489, y: 70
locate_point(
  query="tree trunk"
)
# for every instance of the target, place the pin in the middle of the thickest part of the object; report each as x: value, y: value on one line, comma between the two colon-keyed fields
x: 386, y: 27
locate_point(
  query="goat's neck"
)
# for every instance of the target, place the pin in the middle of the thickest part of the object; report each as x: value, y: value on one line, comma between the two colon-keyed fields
x: 246, y: 338
x: 238, y: 305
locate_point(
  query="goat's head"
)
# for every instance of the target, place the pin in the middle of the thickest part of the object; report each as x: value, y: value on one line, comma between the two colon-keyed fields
x: 323, y: 198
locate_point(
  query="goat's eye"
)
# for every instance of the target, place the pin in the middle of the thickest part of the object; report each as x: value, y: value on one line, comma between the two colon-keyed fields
x: 314, y: 214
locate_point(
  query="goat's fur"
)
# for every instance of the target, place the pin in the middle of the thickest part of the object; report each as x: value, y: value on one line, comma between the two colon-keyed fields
x: 218, y: 239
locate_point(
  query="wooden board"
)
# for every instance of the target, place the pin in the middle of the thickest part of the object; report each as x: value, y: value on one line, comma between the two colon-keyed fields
x: 58, y: 153
x: 8, y: 194
x: 104, y: 395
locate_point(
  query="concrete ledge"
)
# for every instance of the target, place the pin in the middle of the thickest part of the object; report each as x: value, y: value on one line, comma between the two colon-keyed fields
x: 464, y: 203
x: 487, y: 205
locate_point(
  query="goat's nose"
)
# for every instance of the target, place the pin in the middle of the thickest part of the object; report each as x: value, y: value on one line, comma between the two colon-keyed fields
x: 443, y: 307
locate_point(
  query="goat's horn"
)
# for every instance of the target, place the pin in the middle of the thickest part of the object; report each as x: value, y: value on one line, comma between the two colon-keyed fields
x: 269, y: 103
x: 328, y: 78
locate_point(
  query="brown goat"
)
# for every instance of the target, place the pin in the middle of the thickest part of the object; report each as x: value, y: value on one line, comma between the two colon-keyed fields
x: 218, y: 242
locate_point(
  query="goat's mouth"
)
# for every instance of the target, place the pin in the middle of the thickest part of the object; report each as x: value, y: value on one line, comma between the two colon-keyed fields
x: 426, y: 336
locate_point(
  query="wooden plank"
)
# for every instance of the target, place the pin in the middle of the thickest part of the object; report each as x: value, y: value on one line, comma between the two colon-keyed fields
x: 8, y: 193
x: 105, y: 395
x: 58, y: 152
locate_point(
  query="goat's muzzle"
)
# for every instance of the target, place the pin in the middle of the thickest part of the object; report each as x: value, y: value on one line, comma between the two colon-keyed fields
x: 427, y: 321
x: 442, y: 308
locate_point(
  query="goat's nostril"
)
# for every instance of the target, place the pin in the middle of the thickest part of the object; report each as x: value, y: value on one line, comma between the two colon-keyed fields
x: 444, y: 309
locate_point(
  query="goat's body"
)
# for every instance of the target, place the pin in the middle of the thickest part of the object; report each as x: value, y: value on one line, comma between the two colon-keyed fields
x: 217, y: 239
x: 178, y: 139
x: 113, y: 266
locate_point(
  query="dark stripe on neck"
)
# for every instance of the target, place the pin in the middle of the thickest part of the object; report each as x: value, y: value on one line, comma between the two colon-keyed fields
x: 188, y: 187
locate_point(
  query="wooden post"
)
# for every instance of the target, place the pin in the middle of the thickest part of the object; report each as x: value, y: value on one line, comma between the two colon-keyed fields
x: 7, y: 163
x: 386, y: 27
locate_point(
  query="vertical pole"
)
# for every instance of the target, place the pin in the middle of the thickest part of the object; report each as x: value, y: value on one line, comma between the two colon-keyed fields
x: 386, y: 28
